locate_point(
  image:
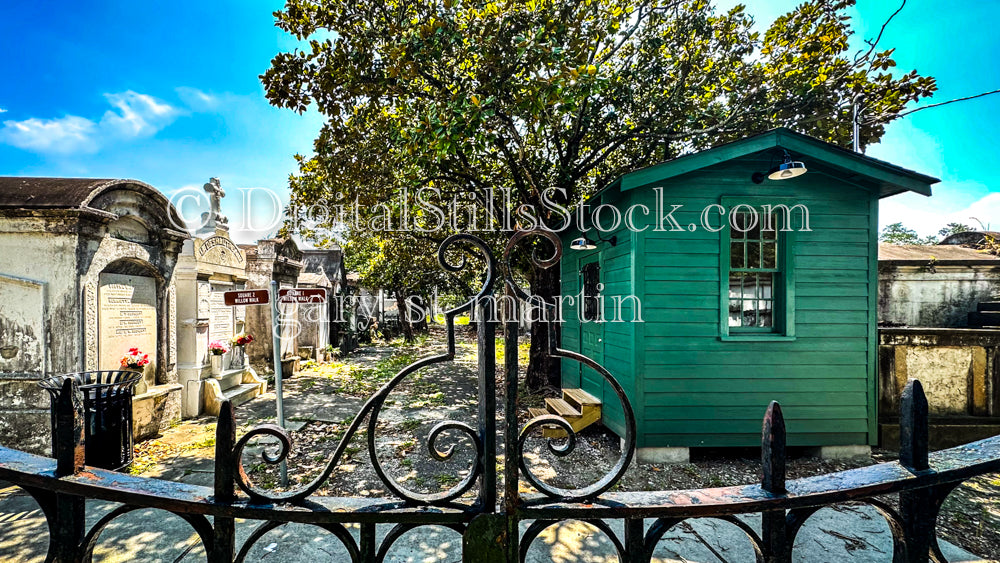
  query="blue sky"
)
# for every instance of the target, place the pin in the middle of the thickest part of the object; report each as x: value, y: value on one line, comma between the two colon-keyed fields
x: 168, y: 93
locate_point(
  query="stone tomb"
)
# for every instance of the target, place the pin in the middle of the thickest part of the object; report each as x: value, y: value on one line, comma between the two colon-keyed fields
x: 270, y: 260
x: 210, y: 265
x: 86, y: 272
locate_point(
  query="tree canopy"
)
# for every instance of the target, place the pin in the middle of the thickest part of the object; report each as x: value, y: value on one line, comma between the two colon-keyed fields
x: 465, y: 96
x: 897, y: 233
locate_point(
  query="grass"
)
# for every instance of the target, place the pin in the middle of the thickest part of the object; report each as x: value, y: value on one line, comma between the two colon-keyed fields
x: 523, y: 350
x: 446, y: 479
x: 358, y: 380
x: 409, y: 425
x: 206, y: 443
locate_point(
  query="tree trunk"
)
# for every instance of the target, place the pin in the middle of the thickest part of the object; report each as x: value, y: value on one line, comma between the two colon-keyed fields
x: 543, y: 371
x: 404, y: 316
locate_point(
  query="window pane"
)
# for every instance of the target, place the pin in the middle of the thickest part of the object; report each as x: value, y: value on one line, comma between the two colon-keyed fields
x: 753, y: 254
x: 749, y: 313
x: 736, y: 285
x: 750, y: 286
x: 768, y: 256
x: 739, y: 231
x: 764, y: 286
x: 754, y: 232
x: 734, y: 312
x: 737, y: 259
x: 764, y: 313
x: 752, y: 297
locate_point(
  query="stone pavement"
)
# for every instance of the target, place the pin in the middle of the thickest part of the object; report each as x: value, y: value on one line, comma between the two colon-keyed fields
x: 832, y: 535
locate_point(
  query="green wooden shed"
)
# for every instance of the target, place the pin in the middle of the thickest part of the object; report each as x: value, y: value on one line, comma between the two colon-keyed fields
x: 734, y: 315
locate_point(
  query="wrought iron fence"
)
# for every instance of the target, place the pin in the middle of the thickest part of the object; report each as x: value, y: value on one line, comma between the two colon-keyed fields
x: 489, y: 524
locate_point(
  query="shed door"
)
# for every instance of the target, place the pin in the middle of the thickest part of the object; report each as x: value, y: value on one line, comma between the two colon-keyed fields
x: 591, y: 331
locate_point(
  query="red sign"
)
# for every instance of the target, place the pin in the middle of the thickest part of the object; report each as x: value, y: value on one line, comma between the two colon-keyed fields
x: 248, y: 297
x: 296, y: 295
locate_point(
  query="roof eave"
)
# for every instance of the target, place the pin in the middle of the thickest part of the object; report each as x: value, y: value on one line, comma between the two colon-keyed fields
x: 892, y: 179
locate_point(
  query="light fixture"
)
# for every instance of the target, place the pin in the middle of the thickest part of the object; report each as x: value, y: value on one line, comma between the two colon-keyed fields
x: 584, y: 243
x: 787, y: 169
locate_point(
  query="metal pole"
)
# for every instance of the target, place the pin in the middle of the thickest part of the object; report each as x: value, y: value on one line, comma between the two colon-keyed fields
x: 855, y: 130
x: 276, y: 343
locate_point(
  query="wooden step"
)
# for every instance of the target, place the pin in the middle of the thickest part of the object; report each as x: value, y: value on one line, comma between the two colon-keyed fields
x: 985, y: 306
x: 563, y: 409
x: 580, y: 398
x: 536, y: 412
x: 548, y: 430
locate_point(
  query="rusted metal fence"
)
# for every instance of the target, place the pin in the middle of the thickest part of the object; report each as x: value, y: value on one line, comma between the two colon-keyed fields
x: 489, y: 524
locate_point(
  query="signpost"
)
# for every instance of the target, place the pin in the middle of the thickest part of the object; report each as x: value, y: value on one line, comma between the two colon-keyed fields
x: 248, y: 297
x: 300, y: 295
x: 276, y: 354
x: 274, y: 296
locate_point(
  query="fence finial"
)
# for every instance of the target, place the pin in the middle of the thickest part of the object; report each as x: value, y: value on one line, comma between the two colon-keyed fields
x: 225, y: 465
x: 772, y: 450
x: 913, y: 431
x: 69, y: 448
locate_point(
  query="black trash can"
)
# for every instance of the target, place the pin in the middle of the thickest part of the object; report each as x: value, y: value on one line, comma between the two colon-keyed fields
x: 107, y: 403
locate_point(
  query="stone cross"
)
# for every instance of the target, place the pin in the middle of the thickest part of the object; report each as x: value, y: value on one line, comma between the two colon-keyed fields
x: 214, y: 220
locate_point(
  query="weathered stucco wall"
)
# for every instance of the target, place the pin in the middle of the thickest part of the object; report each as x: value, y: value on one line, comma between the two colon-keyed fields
x: 957, y: 367
x: 38, y: 293
x: 930, y: 295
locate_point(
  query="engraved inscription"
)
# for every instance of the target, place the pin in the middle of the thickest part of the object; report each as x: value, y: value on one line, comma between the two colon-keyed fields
x: 126, y: 319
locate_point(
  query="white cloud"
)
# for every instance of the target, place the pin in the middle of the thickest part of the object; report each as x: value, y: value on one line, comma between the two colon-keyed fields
x: 3, y: 110
x: 196, y: 99
x: 138, y: 115
x: 63, y: 135
x: 134, y: 115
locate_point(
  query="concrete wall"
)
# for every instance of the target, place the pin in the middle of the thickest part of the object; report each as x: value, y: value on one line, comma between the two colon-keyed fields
x: 960, y: 373
x: 931, y: 295
x: 40, y: 322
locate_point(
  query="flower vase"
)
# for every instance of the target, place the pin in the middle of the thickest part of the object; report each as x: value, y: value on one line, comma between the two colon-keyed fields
x: 216, y: 364
x: 239, y: 356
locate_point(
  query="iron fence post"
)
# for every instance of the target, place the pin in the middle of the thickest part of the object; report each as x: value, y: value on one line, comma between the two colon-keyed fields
x: 917, y: 508
x: 366, y: 543
x: 774, y: 524
x: 66, y: 514
x: 510, y: 466
x: 224, y: 544
x: 487, y: 366
x: 635, y: 541
x: 511, y: 315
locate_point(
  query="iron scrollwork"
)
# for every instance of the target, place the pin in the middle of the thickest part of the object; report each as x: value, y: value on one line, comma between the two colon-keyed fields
x: 476, y: 248
x: 613, y: 476
x: 471, y: 247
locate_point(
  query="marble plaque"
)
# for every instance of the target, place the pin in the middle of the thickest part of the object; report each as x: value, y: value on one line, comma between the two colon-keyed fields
x: 126, y: 319
x: 220, y: 321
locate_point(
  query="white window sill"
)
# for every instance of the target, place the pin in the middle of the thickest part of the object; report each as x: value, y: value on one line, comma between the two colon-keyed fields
x: 756, y: 338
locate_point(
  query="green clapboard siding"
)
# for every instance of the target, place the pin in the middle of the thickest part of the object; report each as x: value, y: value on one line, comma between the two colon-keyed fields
x: 616, y: 349
x: 693, y: 382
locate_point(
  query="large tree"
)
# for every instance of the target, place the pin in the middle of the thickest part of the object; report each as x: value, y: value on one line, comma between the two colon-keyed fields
x: 527, y: 95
